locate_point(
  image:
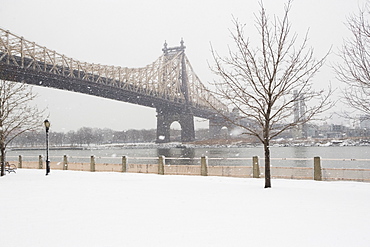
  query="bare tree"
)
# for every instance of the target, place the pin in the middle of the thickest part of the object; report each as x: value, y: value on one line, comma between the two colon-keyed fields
x: 85, y: 135
x: 16, y: 115
x: 355, y: 55
x: 265, y: 83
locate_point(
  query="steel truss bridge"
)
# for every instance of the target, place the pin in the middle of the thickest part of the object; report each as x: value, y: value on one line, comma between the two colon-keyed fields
x: 169, y: 84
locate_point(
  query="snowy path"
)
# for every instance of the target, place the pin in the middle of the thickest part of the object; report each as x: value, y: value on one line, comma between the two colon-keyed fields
x: 113, y: 209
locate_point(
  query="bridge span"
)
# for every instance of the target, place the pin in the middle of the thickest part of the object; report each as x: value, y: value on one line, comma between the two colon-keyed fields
x: 169, y: 84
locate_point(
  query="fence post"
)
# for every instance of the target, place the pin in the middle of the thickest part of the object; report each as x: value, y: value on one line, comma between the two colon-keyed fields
x: 20, y: 161
x: 256, y: 167
x: 40, y: 162
x: 65, y: 162
x: 161, y: 161
x: 317, y: 168
x: 92, y: 163
x: 203, y: 166
x: 124, y: 164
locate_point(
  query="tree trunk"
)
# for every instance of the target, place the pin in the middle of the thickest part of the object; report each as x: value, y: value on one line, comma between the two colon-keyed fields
x: 266, y: 147
x: 2, y: 148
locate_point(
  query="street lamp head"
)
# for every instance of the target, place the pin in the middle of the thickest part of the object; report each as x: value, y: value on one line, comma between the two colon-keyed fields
x: 47, y: 124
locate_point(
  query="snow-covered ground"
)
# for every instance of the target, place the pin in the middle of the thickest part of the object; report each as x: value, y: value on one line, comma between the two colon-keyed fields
x: 70, y: 208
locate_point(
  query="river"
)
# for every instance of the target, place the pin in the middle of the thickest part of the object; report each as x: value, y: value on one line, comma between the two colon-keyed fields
x: 341, y: 157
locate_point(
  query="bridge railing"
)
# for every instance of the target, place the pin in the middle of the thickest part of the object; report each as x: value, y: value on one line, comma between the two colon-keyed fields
x: 198, y: 166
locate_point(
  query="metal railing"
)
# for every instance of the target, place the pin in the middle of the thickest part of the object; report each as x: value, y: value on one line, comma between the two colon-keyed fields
x: 198, y: 166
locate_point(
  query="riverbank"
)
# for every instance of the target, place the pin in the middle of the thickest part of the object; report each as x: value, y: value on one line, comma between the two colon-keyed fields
x: 212, y: 143
x: 43, y: 148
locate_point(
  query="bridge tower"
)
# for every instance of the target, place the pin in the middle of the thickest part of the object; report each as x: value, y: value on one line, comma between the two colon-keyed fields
x: 167, y: 115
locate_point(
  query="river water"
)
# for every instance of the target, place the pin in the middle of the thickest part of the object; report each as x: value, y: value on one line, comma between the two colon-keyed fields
x: 332, y: 157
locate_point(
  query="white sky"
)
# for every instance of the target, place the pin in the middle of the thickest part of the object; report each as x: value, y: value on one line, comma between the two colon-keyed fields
x: 132, y: 33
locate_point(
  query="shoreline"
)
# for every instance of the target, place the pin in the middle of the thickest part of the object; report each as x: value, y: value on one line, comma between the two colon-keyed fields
x: 206, y: 144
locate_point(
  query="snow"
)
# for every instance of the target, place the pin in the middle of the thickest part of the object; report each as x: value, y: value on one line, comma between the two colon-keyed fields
x: 69, y: 208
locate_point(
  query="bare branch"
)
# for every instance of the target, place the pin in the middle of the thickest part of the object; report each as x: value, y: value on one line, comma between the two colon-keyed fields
x: 355, y: 67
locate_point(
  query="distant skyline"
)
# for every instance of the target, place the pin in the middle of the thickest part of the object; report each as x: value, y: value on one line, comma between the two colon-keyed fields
x: 132, y: 33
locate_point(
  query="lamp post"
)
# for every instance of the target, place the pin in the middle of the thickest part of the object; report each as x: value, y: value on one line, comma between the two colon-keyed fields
x: 47, y: 126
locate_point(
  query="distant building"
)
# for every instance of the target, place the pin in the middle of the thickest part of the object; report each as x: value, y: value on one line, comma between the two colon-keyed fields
x: 337, y: 128
x: 299, y: 115
x: 365, y: 121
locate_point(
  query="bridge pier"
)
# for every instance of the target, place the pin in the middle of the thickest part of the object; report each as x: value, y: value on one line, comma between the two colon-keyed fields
x: 187, y: 127
x: 166, y: 118
x: 215, y: 127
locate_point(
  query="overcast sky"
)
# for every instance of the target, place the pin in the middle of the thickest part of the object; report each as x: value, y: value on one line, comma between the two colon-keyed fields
x: 131, y: 34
